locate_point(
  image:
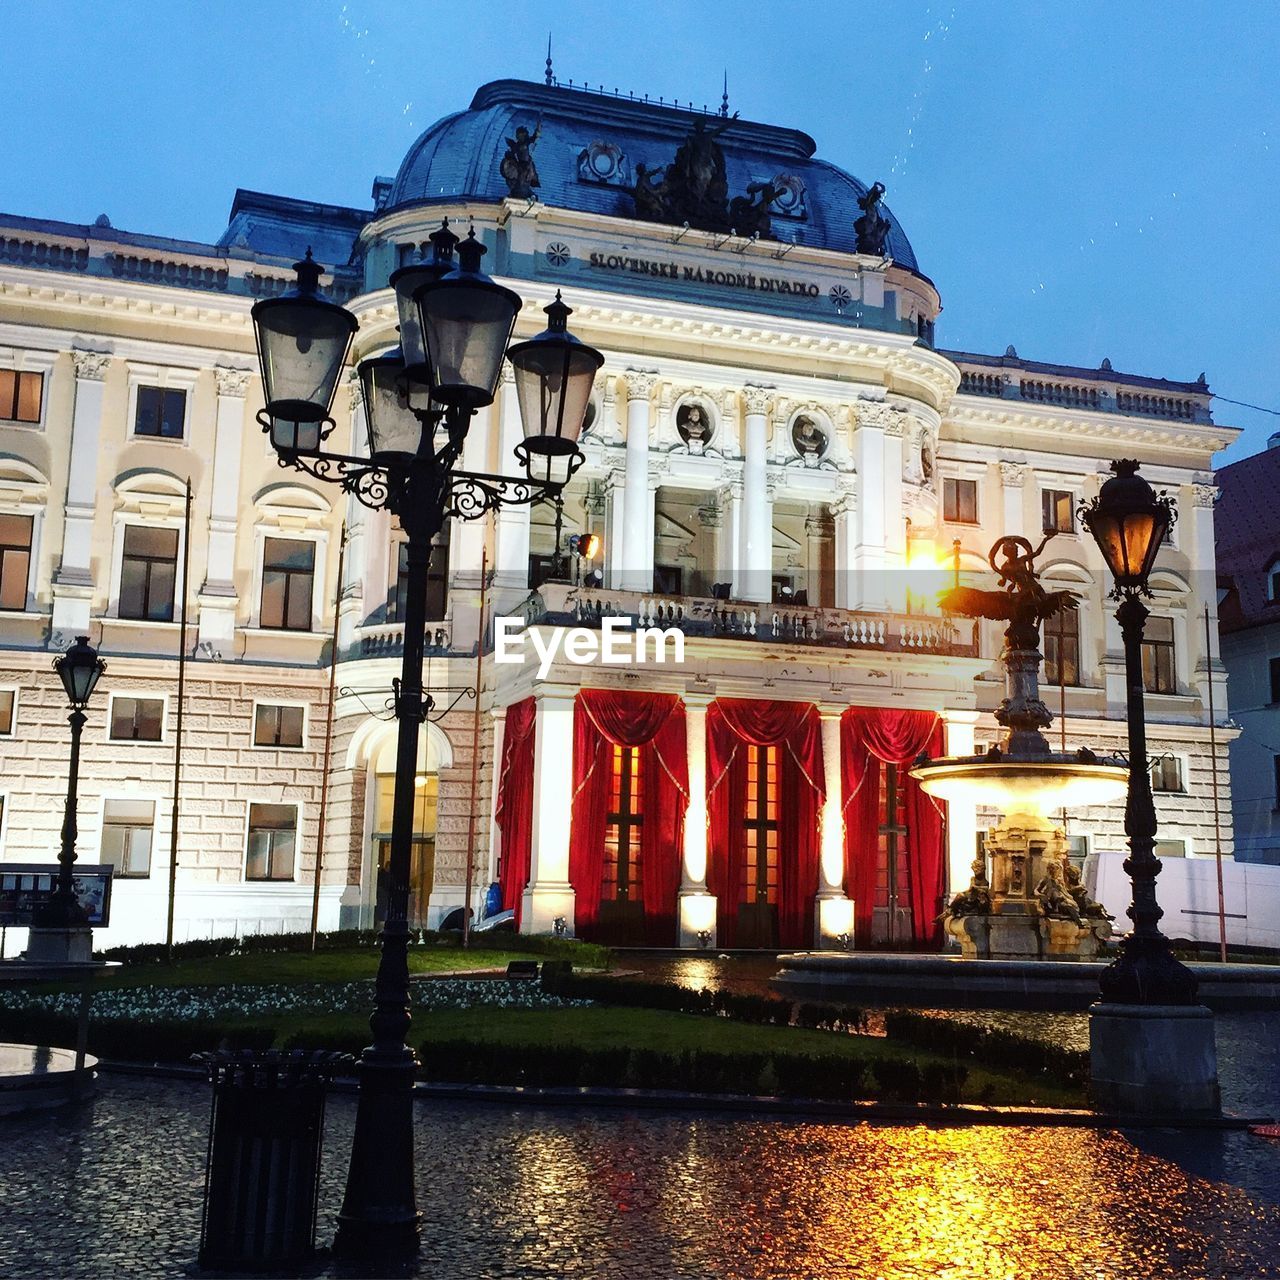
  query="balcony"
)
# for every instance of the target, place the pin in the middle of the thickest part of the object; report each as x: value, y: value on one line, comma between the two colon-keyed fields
x: 561, y: 604
x: 386, y: 639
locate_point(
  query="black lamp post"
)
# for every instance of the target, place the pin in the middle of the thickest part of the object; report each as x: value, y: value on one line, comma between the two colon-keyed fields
x: 455, y: 323
x: 79, y: 669
x: 1128, y: 520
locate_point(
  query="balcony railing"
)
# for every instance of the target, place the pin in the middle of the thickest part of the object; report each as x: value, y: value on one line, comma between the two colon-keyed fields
x: 386, y: 639
x: 566, y: 605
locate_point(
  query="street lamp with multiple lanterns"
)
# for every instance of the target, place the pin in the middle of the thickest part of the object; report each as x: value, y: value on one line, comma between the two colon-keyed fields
x: 455, y: 325
x: 1129, y: 522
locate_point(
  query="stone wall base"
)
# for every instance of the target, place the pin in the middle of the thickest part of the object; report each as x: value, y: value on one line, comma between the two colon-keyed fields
x: 1153, y: 1060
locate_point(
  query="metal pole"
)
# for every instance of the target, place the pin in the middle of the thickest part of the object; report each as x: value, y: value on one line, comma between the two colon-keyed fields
x: 177, y: 734
x: 65, y: 913
x: 1213, y: 763
x: 379, y: 1214
x: 475, y: 753
x: 1145, y: 972
x: 328, y: 742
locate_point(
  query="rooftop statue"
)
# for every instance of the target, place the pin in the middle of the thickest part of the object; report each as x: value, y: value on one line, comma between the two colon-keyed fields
x: 872, y: 229
x: 749, y: 214
x: 650, y: 194
x: 517, y: 167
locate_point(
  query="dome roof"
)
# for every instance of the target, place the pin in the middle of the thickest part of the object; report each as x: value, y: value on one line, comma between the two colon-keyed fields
x: 590, y: 144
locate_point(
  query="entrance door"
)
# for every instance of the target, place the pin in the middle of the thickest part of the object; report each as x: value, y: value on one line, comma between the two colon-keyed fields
x: 621, y: 920
x: 891, y: 906
x: 758, y: 903
x: 422, y: 857
x: 422, y: 860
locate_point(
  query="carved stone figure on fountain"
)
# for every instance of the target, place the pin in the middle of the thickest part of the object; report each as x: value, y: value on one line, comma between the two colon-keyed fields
x: 872, y: 229
x: 1055, y: 899
x: 696, y: 187
x: 517, y: 167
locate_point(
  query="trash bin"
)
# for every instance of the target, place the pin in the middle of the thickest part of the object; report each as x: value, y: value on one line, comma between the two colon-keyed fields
x: 263, y: 1169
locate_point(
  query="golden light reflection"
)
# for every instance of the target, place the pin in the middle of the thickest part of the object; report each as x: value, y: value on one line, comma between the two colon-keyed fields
x: 720, y: 1196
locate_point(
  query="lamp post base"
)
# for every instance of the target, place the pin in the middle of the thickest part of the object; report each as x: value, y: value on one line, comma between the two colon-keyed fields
x: 73, y: 945
x: 1153, y: 1060
x: 379, y: 1221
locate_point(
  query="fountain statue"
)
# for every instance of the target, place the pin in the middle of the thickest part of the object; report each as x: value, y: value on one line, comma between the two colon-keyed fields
x: 1032, y: 905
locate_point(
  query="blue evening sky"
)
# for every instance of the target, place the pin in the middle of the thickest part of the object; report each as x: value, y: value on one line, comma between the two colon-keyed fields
x: 1083, y: 180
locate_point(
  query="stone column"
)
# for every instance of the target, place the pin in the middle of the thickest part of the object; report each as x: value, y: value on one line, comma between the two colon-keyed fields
x: 962, y: 816
x: 711, y: 520
x: 728, y: 559
x: 467, y: 542
x: 815, y: 533
x: 637, y: 502
x: 549, y: 895
x: 895, y: 525
x: 697, y: 907
x: 73, y: 581
x: 832, y: 908
x: 511, y: 536
x: 351, y: 611
x: 1012, y: 478
x: 495, y: 831
x: 614, y: 504
x: 1195, y: 540
x: 869, y: 585
x: 844, y: 510
x: 756, y: 554
x: 217, y: 601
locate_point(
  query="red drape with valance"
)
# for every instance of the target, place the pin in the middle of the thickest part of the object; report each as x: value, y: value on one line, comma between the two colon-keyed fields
x: 795, y: 727
x: 871, y: 737
x: 513, y: 811
x: 655, y: 723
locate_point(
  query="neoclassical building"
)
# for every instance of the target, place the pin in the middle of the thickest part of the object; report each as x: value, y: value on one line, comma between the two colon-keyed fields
x: 783, y: 466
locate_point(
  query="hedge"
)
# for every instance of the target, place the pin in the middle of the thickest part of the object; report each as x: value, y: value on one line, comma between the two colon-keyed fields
x: 826, y: 1076
x: 991, y: 1046
x: 584, y: 953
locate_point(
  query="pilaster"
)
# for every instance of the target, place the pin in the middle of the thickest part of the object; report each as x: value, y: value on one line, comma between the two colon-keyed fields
x: 549, y: 896
x: 833, y: 909
x: 756, y: 553
x: 636, y: 552
x: 696, y: 906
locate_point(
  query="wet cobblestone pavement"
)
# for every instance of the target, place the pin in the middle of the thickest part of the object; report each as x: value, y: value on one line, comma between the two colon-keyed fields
x: 113, y: 1190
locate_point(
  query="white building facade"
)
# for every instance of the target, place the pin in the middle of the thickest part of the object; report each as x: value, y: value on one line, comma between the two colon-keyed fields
x: 781, y: 467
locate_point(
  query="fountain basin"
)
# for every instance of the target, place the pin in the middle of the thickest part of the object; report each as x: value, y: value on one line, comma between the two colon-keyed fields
x: 1021, y: 785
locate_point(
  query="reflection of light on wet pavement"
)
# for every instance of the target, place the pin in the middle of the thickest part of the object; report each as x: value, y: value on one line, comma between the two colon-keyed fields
x: 531, y: 1193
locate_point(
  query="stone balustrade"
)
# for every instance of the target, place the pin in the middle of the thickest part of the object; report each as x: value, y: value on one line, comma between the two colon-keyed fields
x: 564, y: 604
x: 386, y: 640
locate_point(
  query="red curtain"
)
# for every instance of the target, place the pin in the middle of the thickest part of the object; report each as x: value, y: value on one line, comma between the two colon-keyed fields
x: 795, y: 728
x: 514, y: 809
x: 655, y: 723
x: 871, y: 737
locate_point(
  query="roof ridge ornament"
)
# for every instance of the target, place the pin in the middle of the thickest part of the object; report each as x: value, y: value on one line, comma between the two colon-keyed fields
x: 550, y: 77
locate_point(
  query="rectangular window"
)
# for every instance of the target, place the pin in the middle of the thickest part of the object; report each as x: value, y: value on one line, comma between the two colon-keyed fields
x: 1275, y: 679
x: 275, y: 726
x: 437, y: 581
x: 1062, y: 648
x: 1276, y: 763
x: 621, y: 882
x: 1171, y: 848
x: 127, y: 828
x: 148, y: 573
x: 15, y: 560
x: 20, y: 395
x: 1058, y: 511
x: 161, y: 412
x: 1157, y: 657
x: 273, y: 834
x: 288, y: 573
x: 960, y: 501
x: 1166, y: 774
x: 760, y: 857
x: 7, y: 699
x: 137, y: 719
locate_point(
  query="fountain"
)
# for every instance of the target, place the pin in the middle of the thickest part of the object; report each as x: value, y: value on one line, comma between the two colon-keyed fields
x: 1033, y: 905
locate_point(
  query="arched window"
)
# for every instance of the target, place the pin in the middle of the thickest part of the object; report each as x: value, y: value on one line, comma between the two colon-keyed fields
x: 1273, y: 579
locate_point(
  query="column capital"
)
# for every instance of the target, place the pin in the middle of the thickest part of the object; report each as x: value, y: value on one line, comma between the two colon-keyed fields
x: 958, y: 715
x: 549, y: 693
x: 232, y: 382
x: 508, y: 374
x: 1012, y: 474
x: 831, y: 710
x: 698, y: 699
x: 1204, y: 495
x: 640, y: 383
x: 91, y: 366
x: 757, y: 397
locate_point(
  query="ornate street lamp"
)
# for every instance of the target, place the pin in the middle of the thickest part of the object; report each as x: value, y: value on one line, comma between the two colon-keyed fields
x: 79, y: 670
x: 455, y: 323
x: 1129, y: 521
